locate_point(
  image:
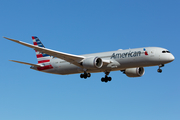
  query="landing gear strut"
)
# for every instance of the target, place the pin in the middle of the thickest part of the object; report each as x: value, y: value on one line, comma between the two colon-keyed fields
x: 159, y: 69
x: 85, y: 75
x: 106, y: 78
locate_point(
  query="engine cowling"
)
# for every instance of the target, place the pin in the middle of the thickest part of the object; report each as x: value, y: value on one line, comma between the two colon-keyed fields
x: 134, y: 72
x: 92, y: 62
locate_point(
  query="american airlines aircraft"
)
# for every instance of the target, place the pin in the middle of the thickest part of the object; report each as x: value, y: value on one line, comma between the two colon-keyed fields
x: 130, y: 61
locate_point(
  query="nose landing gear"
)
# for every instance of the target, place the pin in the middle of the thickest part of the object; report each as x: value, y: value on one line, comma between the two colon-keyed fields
x: 159, y: 69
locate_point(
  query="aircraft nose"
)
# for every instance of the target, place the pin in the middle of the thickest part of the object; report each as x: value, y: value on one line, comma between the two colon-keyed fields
x: 171, y: 57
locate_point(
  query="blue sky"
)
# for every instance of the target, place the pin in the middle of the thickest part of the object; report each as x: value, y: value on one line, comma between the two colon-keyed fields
x: 88, y: 26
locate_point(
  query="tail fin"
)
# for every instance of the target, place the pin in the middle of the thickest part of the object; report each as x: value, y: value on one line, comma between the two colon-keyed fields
x: 41, y: 57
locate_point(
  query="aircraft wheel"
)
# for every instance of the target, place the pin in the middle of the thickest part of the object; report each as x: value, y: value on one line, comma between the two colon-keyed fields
x: 88, y: 74
x: 82, y: 76
x: 102, y: 79
x: 106, y: 79
x: 85, y: 76
x: 159, y: 71
x: 109, y: 78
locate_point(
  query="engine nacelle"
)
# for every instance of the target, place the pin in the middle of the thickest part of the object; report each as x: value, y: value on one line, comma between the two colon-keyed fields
x: 92, y: 62
x: 134, y: 72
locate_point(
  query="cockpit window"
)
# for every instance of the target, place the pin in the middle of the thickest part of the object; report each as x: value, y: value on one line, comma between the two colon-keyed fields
x: 165, y: 51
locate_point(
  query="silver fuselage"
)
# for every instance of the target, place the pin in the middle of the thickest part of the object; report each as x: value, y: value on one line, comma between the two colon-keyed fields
x: 120, y: 60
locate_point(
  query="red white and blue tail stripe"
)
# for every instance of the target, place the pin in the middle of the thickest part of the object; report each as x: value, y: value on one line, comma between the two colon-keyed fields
x: 41, y: 57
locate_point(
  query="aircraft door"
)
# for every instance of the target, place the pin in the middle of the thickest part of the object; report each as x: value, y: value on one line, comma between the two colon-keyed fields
x: 152, y: 52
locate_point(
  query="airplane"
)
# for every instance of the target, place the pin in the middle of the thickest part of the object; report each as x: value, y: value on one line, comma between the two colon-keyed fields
x: 129, y: 61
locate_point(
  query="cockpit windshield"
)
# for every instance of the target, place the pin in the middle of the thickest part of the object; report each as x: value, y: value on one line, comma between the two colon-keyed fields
x: 164, y: 51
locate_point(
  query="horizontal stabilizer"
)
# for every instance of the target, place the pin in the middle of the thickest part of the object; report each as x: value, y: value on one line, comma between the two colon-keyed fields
x: 26, y: 63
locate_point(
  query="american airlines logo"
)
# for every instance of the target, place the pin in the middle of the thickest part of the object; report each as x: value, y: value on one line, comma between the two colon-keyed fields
x: 129, y: 54
x: 125, y: 55
x: 145, y: 52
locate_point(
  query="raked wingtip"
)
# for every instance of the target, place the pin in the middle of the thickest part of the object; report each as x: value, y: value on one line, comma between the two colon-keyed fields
x: 6, y: 38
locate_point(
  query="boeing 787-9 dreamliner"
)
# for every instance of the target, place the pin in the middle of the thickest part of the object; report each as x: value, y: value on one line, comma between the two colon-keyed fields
x: 130, y: 61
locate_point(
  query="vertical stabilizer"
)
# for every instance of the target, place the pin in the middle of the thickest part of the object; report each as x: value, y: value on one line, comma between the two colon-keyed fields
x: 41, y: 57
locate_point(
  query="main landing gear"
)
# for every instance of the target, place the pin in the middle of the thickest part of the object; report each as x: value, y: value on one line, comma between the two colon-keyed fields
x: 159, y: 69
x: 103, y: 79
x: 106, y: 78
x: 85, y: 75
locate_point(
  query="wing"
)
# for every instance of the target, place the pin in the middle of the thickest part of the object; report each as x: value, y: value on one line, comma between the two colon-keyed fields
x: 73, y: 59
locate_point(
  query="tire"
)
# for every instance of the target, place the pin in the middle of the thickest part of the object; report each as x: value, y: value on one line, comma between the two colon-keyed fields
x: 159, y: 71
x: 102, y: 79
x: 88, y: 74
x: 109, y: 78
x: 82, y: 76
x: 85, y: 76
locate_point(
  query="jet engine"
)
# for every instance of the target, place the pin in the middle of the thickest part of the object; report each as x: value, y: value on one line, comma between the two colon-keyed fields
x: 92, y: 62
x: 134, y: 72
